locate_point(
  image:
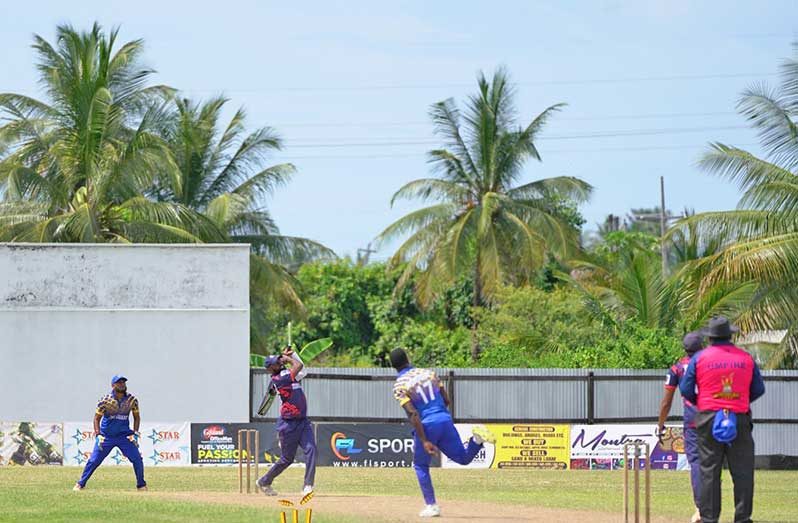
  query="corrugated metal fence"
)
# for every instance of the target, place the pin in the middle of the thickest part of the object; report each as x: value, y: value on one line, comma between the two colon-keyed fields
x: 541, y: 395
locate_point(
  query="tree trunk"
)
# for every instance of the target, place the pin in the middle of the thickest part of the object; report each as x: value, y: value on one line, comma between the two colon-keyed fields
x: 477, y: 302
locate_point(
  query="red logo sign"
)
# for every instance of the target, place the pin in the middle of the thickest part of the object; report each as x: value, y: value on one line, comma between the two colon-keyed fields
x: 213, y: 430
x: 170, y: 456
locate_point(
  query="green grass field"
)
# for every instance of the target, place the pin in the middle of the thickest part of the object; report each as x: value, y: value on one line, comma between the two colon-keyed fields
x: 210, y: 494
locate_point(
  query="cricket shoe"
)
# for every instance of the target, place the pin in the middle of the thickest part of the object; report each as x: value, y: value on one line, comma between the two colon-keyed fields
x: 430, y: 511
x: 77, y: 487
x: 142, y: 489
x: 267, y: 489
x: 696, y: 517
x: 483, y: 435
x: 307, y: 490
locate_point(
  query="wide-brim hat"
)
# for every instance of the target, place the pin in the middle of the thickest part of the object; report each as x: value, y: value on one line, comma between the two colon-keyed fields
x: 719, y: 327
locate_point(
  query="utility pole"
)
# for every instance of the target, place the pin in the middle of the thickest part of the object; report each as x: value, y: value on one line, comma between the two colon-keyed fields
x: 364, y: 254
x: 662, y: 220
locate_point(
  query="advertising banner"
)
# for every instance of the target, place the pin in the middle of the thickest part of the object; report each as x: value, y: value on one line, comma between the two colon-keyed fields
x: 669, y: 451
x: 600, y: 447
x: 217, y: 443
x: 26, y: 443
x: 519, y: 446
x: 161, y: 445
x: 483, y: 460
x: 532, y: 446
x: 380, y: 445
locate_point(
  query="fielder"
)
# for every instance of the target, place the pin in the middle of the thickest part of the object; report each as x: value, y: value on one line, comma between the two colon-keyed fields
x: 112, y: 429
x: 693, y: 342
x: 421, y: 394
x: 293, y: 429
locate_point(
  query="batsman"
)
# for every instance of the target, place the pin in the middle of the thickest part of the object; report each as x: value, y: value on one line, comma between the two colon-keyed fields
x: 293, y: 429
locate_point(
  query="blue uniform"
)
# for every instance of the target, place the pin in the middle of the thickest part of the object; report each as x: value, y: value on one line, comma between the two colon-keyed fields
x: 422, y: 388
x: 293, y: 429
x: 115, y: 432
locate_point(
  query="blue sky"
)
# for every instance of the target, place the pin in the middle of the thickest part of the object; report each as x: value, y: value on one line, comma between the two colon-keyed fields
x: 340, y: 79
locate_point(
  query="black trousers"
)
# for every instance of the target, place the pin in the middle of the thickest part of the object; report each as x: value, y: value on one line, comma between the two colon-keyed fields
x: 740, y: 457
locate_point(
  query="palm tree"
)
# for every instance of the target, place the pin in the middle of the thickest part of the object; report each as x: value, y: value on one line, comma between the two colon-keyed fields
x: 75, y: 168
x: 482, y: 224
x: 762, y: 232
x: 623, y: 280
x: 222, y: 175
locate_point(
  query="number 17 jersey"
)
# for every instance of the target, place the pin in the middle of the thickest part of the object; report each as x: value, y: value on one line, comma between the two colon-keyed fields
x: 421, y: 387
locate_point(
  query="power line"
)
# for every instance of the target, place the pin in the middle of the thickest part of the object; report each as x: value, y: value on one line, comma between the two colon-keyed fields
x: 553, y: 151
x: 652, y: 116
x: 386, y: 87
x: 405, y: 141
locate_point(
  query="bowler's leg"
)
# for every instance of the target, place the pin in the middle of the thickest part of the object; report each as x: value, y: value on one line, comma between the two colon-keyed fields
x: 451, y: 445
x: 421, y: 462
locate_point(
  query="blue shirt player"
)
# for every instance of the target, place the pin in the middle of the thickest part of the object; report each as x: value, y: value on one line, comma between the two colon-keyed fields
x: 112, y: 429
x: 422, y: 396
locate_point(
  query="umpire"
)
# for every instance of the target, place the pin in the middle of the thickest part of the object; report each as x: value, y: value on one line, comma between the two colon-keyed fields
x: 722, y: 381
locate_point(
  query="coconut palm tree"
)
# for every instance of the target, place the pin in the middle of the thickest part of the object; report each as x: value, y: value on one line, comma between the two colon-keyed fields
x: 762, y: 232
x: 222, y: 174
x: 76, y: 166
x: 623, y: 280
x: 482, y: 223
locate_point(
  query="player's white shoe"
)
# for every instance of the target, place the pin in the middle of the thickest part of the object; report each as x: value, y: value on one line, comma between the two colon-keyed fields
x: 483, y: 435
x: 696, y: 517
x: 307, y: 490
x: 142, y: 489
x: 77, y: 487
x: 430, y: 511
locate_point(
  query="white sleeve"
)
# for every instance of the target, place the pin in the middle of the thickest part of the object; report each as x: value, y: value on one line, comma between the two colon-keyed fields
x: 304, y: 370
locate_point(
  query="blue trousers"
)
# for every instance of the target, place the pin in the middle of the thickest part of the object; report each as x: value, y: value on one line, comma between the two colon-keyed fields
x: 129, y: 450
x: 691, y: 451
x: 444, y: 436
x: 292, y: 435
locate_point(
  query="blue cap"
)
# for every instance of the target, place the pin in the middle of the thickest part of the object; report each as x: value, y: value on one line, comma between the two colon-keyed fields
x: 271, y: 360
x: 724, y: 427
x: 116, y: 378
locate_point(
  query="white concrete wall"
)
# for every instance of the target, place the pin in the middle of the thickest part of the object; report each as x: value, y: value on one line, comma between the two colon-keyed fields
x: 173, y: 318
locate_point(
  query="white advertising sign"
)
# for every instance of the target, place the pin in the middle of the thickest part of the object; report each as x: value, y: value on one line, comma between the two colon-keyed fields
x: 484, y: 458
x: 161, y: 445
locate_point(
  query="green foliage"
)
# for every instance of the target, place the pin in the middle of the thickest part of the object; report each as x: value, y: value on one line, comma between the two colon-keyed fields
x: 532, y: 328
x: 337, y: 306
x: 315, y: 348
x: 525, y: 327
x: 359, y: 310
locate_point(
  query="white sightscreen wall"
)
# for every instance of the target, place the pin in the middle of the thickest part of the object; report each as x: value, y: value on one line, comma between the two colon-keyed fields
x: 174, y: 319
